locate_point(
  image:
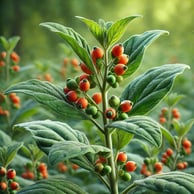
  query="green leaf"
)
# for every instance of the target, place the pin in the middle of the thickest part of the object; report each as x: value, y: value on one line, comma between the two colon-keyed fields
x: 50, y: 95
x: 58, y: 185
x: 47, y: 133
x: 183, y: 128
x: 7, y: 153
x: 171, y: 182
x: 120, y: 139
x: 95, y: 28
x: 75, y: 40
x: 72, y: 149
x: 135, y: 48
x: 168, y: 136
x: 9, y: 44
x: 117, y: 29
x: 142, y: 127
x: 148, y: 89
x: 4, y: 138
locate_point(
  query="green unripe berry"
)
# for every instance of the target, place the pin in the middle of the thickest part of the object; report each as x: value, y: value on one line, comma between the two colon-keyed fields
x: 91, y: 110
x: 126, y: 176
x: 106, y: 170
x: 111, y: 79
x: 119, y: 78
x: 123, y: 116
x: 114, y: 101
x: 97, y: 115
x: 72, y: 84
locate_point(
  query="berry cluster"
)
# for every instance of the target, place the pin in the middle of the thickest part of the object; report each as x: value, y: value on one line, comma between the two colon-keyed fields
x: 151, y: 166
x: 76, y: 90
x: 166, y: 114
x: 170, y: 159
x: 13, y: 99
x: 7, y: 181
x: 63, y: 167
x: 13, y: 58
x: 124, y: 167
x: 37, y: 173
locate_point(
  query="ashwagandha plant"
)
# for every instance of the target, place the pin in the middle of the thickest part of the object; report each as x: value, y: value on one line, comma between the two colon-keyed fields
x: 119, y: 119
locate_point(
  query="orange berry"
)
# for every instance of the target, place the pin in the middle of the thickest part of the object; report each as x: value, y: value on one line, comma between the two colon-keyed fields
x: 186, y: 143
x: 180, y: 165
x: 3, y: 186
x: 74, y: 62
x: 97, y: 53
x: 162, y: 120
x: 130, y: 166
x: 48, y: 77
x: 97, y: 97
x: 72, y: 96
x: 124, y: 59
x: 169, y: 152
x: 85, y: 69
x: 117, y: 50
x: 16, y: 68
x: 120, y: 69
x: 2, y: 171
x: 15, y: 100
x: 158, y: 166
x: 3, y: 54
x: 75, y: 166
x: 2, y: 63
x: 11, y: 173
x: 187, y: 150
x: 110, y: 113
x: 122, y: 157
x: 126, y: 106
x: 14, y: 185
x: 84, y: 85
x: 82, y: 103
x: 62, y: 167
x: 14, y: 56
x: 42, y: 167
x: 175, y: 113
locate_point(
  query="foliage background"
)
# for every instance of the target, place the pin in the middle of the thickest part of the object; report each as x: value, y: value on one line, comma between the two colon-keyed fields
x: 22, y: 18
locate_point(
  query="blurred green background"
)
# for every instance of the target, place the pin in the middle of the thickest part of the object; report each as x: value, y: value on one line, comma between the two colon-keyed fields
x: 22, y: 18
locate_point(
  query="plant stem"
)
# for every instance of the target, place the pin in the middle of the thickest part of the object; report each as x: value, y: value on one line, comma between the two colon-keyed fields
x: 130, y: 187
x: 107, y: 133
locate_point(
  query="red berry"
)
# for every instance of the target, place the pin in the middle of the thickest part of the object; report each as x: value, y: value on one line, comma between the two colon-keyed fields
x: 16, y: 68
x: 85, y: 69
x: 169, y: 152
x: 97, y: 97
x: 162, y: 120
x: 66, y: 90
x: 180, y: 165
x: 175, y: 113
x: 122, y: 157
x: 158, y: 166
x: 120, y: 69
x: 3, y: 54
x: 2, y: 171
x: 126, y: 106
x: 82, y: 103
x: 186, y: 143
x: 2, y: 63
x: 3, y: 186
x: 97, y: 53
x: 14, y: 56
x: 123, y: 59
x: 11, y: 173
x: 42, y: 167
x: 117, y: 50
x: 72, y: 96
x: 130, y: 166
x: 14, y: 185
x: 84, y: 85
x: 83, y: 76
x: 110, y: 113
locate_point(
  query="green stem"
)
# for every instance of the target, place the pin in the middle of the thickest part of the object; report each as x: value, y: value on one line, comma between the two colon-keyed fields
x: 107, y: 133
x: 129, y: 188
